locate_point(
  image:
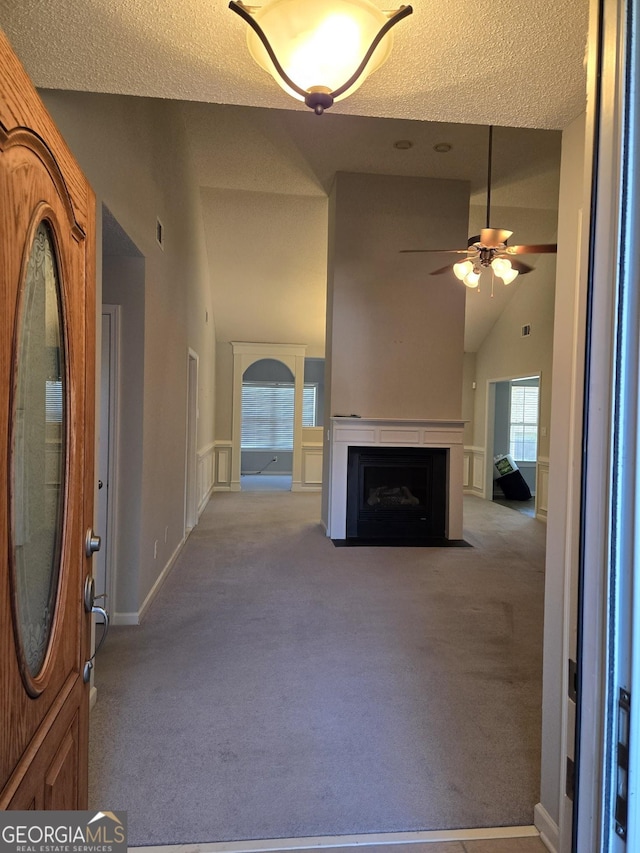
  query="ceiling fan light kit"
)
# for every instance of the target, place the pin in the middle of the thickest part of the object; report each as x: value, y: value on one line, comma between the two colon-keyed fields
x: 509, y: 276
x: 462, y: 269
x: 320, y: 51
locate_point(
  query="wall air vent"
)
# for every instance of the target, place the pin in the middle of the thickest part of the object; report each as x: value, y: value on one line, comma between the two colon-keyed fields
x: 525, y: 331
x: 160, y: 233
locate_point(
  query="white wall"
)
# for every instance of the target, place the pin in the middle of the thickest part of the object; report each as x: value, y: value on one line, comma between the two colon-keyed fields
x: 135, y: 154
x: 268, y: 258
x: 506, y: 354
x: 268, y: 261
x: 397, y: 333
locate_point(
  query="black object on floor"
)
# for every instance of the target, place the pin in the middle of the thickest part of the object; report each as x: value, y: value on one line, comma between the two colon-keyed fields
x: 514, y: 486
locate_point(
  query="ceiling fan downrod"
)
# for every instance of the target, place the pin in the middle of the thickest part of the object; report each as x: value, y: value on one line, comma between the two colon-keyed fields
x: 490, y: 157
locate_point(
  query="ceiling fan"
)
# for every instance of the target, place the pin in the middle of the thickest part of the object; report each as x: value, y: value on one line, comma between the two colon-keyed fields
x: 489, y: 249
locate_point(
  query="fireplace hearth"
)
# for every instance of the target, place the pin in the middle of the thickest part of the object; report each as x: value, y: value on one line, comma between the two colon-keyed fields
x: 396, y: 493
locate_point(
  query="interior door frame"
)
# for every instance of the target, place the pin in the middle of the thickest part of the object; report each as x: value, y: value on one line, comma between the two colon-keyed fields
x: 489, y: 430
x: 191, y: 455
x: 608, y: 618
x: 111, y: 533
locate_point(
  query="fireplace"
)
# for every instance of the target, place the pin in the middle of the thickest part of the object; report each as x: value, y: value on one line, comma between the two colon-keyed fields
x: 442, y: 441
x: 396, y: 493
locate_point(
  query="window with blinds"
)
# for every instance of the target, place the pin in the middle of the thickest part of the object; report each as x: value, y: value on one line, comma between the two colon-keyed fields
x: 309, y: 404
x: 53, y: 401
x: 523, y: 423
x: 267, y: 414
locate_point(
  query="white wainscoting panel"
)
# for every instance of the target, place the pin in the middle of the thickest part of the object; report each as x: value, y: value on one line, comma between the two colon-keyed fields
x: 474, y: 471
x: 222, y: 468
x: 204, y: 477
x: 311, y: 468
x: 478, y: 471
x: 542, y: 488
x: 466, y: 469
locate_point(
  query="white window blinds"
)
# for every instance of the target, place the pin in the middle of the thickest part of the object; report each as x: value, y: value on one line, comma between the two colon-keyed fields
x: 309, y: 405
x: 53, y: 401
x: 267, y: 414
x: 523, y: 427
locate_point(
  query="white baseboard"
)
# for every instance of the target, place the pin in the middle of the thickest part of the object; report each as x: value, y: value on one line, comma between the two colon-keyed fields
x: 326, y: 842
x: 205, y: 500
x: 124, y: 618
x: 155, y: 589
x: 135, y: 617
x: 548, y: 828
x: 220, y: 488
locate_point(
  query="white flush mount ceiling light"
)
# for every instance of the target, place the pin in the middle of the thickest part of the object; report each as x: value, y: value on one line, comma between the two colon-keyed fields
x: 319, y: 51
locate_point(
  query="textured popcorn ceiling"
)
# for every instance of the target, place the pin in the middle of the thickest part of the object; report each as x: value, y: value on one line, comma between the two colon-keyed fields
x: 455, y: 67
x: 508, y: 62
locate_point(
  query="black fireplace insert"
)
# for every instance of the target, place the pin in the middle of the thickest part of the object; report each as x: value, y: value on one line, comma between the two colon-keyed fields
x: 397, y: 493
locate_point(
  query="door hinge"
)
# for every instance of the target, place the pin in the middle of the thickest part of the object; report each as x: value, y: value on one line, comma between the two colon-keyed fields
x: 622, y: 759
x: 570, y: 779
x: 573, y: 681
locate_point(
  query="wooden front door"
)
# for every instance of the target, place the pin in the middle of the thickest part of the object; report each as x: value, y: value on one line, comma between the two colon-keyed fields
x: 47, y: 346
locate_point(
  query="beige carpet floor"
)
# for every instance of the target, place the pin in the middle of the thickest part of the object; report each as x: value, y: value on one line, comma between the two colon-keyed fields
x: 282, y: 687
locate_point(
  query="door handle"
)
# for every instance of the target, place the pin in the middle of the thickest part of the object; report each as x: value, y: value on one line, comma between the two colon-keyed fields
x: 90, y: 606
x: 92, y: 543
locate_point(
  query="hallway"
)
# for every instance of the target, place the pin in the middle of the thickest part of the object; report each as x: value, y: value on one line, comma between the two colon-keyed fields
x: 281, y: 687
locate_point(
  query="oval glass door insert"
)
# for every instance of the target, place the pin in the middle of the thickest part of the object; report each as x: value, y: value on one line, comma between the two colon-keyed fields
x: 38, y: 452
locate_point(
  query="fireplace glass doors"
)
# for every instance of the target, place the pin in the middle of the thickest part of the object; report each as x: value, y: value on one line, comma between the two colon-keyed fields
x: 397, y: 493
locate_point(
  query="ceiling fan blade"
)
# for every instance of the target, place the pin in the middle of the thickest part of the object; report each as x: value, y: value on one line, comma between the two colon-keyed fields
x: 523, y: 269
x: 491, y: 238
x: 439, y: 251
x: 442, y: 270
x: 534, y: 249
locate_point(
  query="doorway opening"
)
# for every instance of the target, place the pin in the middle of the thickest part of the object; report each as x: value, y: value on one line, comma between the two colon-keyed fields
x: 513, y: 408
x: 104, y: 564
x: 121, y: 411
x: 268, y: 407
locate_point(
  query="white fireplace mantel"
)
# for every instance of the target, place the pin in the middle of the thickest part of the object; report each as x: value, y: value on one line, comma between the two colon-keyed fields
x: 383, y: 432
